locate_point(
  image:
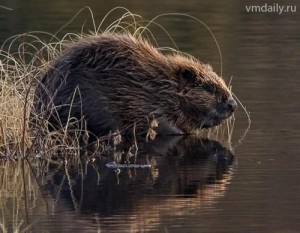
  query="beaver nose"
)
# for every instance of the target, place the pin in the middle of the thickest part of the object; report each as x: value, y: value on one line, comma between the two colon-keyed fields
x: 230, y: 105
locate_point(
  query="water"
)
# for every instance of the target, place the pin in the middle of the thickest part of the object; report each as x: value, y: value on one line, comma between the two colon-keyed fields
x: 193, y: 186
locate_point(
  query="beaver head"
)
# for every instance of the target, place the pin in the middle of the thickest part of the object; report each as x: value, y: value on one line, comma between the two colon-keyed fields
x: 115, y: 80
x: 203, y: 98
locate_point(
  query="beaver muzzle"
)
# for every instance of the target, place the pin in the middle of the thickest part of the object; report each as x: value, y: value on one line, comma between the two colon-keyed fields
x: 221, y: 113
x: 230, y: 105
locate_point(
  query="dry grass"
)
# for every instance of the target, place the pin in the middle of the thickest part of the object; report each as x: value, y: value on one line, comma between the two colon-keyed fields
x: 13, y: 77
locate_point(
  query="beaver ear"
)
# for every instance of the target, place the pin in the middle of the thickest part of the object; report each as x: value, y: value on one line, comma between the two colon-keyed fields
x: 187, y: 75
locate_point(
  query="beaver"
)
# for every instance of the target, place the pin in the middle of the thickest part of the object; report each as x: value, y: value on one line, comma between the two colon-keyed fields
x: 114, y: 81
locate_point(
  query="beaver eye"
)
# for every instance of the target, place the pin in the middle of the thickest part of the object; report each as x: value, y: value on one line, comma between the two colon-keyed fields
x: 210, y: 88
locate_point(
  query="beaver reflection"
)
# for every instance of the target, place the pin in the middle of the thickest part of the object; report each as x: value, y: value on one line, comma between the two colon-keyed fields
x: 181, y: 167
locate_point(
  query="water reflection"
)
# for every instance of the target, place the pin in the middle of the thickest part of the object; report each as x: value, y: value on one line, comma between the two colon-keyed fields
x: 183, y: 175
x: 186, y: 174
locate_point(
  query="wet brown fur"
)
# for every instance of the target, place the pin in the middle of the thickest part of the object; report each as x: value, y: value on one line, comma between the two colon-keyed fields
x: 112, y: 81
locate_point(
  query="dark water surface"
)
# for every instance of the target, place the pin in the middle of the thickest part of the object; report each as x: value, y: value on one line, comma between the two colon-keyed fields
x: 193, y: 185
